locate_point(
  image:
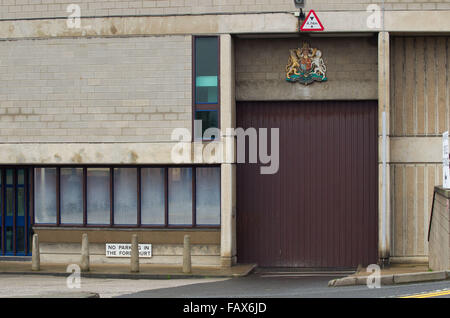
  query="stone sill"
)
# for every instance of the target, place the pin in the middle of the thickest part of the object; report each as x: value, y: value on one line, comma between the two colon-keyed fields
x: 128, y: 229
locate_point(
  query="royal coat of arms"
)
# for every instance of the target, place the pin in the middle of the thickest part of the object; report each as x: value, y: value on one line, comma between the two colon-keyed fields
x: 306, y: 65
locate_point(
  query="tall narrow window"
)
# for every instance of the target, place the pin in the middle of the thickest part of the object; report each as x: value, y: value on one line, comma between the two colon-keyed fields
x: 72, y: 195
x: 125, y: 196
x: 206, y: 82
x: 207, y: 195
x: 180, y: 196
x: 45, y: 195
x: 152, y: 196
x: 98, y: 196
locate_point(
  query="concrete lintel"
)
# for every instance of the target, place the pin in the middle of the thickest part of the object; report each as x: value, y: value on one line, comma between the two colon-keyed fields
x: 333, y: 21
x: 118, y: 153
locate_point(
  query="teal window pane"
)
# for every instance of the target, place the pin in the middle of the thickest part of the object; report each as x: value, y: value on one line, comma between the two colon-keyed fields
x: 209, y: 119
x: 206, y: 70
x: 206, y: 81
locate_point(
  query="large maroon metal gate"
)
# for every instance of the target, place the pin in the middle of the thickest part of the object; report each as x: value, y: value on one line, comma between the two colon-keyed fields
x: 320, y: 209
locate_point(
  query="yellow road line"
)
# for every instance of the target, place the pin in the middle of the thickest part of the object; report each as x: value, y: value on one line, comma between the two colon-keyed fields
x: 428, y: 295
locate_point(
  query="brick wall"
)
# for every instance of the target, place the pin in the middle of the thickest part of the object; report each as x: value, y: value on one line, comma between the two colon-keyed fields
x: 16, y: 9
x: 95, y: 89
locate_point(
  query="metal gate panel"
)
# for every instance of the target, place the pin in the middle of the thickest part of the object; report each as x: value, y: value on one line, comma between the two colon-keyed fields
x: 320, y: 209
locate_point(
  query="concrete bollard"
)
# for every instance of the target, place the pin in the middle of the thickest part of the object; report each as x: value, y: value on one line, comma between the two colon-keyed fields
x: 187, y: 254
x: 35, y: 254
x: 134, y: 259
x: 84, y: 253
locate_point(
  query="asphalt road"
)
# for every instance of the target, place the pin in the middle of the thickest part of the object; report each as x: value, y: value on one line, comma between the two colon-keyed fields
x: 292, y: 286
x: 12, y: 285
x: 266, y: 285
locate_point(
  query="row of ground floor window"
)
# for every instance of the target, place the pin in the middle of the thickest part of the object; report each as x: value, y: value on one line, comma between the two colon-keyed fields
x: 185, y: 196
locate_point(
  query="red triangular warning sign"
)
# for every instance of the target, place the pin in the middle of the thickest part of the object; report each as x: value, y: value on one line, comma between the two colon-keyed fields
x: 312, y: 23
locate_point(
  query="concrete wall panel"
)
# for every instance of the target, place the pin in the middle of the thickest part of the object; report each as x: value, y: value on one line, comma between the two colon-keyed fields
x: 352, y: 69
x: 411, y: 198
x: 419, y: 116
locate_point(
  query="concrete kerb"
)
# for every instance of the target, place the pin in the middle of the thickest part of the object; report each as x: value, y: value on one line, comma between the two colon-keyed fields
x: 138, y: 275
x: 63, y: 295
x: 124, y: 275
x: 392, y: 279
x: 419, y: 277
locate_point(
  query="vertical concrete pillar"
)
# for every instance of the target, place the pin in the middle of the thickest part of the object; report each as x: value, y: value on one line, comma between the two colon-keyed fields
x: 384, y: 145
x: 35, y: 256
x: 84, y: 253
x: 228, y: 167
x: 187, y: 254
x: 227, y: 83
x: 134, y: 259
x: 228, y: 217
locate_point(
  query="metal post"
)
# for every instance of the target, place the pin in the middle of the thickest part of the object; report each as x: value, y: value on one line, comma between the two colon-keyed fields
x: 134, y: 260
x: 36, y: 257
x: 85, y: 253
x: 187, y: 254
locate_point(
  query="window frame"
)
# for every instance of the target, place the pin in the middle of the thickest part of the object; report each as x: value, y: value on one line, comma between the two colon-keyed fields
x: 204, y: 106
x: 28, y: 216
x: 112, y: 224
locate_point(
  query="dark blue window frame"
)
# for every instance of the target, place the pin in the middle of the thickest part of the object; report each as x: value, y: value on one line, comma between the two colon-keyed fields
x: 15, y: 221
